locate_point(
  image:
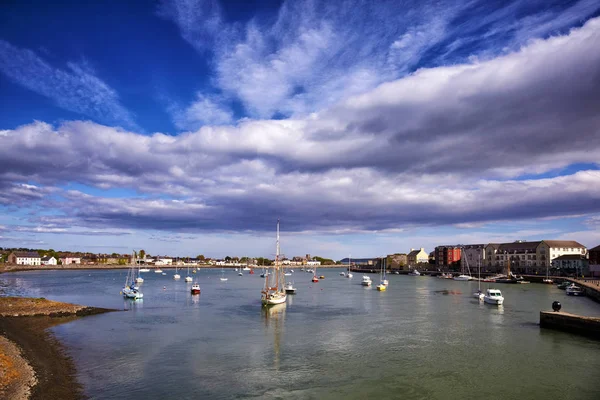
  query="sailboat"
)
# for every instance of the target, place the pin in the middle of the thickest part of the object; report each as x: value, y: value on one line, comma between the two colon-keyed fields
x: 462, y: 276
x: 129, y: 290
x: 314, y: 278
x: 547, y: 279
x: 139, y: 278
x: 223, y: 279
x: 478, y: 294
x: 384, y: 280
x: 274, y: 292
x: 349, y: 274
x: 176, y: 276
x: 382, y: 286
x: 188, y: 278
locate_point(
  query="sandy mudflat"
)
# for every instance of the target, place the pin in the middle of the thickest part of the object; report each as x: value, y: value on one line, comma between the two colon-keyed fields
x: 33, y: 364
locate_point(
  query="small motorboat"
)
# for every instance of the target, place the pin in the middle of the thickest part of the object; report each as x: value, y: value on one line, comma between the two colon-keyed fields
x: 548, y: 281
x: 164, y: 273
x: 195, y: 289
x: 144, y: 270
x: 289, y: 288
x: 493, y: 296
x: 366, y: 280
x: 574, y: 290
x: 288, y: 274
x: 414, y: 272
x: 158, y: 271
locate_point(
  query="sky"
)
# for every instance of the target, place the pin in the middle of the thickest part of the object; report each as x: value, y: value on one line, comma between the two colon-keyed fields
x: 189, y: 127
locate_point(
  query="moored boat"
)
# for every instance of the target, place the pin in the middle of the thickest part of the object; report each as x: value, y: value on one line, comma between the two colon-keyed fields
x: 274, y: 291
x: 493, y: 296
x: 366, y: 280
x: 195, y: 289
x: 574, y: 290
x: 414, y: 272
x: 289, y: 288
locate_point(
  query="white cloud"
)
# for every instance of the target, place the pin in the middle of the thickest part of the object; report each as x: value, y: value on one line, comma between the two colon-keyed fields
x: 76, y: 88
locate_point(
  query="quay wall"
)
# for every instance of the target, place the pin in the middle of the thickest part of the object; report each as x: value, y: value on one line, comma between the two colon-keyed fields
x: 588, y: 326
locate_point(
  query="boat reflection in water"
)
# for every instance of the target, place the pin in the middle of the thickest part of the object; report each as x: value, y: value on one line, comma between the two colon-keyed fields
x: 274, y: 317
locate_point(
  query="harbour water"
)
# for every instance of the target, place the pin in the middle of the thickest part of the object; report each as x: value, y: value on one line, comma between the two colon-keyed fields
x: 423, y: 338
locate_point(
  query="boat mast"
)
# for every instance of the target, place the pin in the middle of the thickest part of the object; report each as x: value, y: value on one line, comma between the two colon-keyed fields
x: 277, y: 269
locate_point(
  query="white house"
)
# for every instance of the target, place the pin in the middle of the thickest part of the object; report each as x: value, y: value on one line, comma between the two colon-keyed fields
x: 164, y: 261
x: 313, y: 262
x: 70, y: 260
x: 47, y: 260
x: 25, y: 258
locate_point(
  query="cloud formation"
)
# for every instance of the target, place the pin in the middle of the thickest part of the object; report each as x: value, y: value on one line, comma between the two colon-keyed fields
x: 441, y: 146
x: 312, y: 54
x: 75, y: 88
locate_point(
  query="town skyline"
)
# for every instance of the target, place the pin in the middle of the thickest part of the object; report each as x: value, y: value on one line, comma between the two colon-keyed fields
x: 198, y: 124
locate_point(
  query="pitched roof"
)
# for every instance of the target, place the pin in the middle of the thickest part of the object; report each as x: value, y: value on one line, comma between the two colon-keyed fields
x: 494, y: 245
x: 597, y: 248
x: 46, y: 258
x: 518, y: 246
x: 414, y: 253
x: 563, y: 243
x: 27, y: 254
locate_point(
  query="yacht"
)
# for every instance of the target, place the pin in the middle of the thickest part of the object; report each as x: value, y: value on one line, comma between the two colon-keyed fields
x: 493, y: 296
x: 366, y: 280
x: 574, y: 290
x: 289, y: 288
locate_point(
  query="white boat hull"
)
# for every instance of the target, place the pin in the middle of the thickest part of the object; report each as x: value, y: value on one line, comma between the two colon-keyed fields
x: 274, y: 299
x: 462, y: 278
x: 497, y: 302
x: 176, y: 276
x: 349, y: 275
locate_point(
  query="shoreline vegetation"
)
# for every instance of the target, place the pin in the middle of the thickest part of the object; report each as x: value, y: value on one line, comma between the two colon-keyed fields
x: 33, y: 363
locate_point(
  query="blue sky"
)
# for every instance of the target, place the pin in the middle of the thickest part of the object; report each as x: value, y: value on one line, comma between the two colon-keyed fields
x: 368, y: 127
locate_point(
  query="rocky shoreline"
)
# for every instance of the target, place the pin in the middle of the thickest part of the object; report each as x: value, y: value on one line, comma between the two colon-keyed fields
x: 33, y: 364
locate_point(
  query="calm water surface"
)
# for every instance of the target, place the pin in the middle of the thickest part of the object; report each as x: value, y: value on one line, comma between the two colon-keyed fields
x: 424, y: 338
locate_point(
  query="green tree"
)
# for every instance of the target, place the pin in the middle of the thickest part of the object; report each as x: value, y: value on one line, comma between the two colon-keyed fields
x: 227, y: 258
x: 142, y: 254
x: 200, y: 257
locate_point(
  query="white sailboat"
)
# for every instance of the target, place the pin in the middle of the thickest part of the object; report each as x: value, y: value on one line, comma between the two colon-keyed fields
x: 462, y: 276
x: 274, y: 292
x: 176, y: 276
x: 223, y: 279
x: 188, y: 278
x: 384, y: 280
x: 478, y: 294
x: 382, y: 286
x: 349, y: 274
x: 139, y: 278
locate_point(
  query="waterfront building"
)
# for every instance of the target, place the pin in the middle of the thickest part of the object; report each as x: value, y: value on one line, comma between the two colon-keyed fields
x: 48, y: 260
x: 471, y: 255
x: 534, y: 257
x: 447, y: 256
x: 70, y: 260
x: 571, y: 264
x: 417, y: 256
x: 490, y: 263
x: 25, y: 258
x: 594, y: 261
